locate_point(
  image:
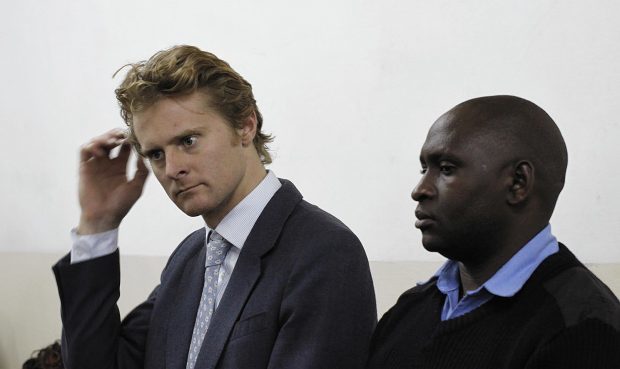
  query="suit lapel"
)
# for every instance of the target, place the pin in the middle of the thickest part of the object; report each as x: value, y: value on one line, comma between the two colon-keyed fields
x: 261, y: 239
x: 228, y: 310
x: 184, y: 307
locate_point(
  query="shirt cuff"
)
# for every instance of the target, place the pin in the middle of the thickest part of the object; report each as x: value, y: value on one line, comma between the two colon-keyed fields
x: 90, y: 246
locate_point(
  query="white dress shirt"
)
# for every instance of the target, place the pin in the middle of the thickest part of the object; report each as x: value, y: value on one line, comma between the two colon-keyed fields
x: 234, y: 227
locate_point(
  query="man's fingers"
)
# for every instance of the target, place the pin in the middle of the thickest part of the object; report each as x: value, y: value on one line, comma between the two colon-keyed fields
x: 141, y: 165
x: 124, y: 152
x: 101, y: 146
x: 142, y: 172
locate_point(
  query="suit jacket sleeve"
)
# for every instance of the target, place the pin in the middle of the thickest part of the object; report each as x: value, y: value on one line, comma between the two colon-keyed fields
x: 328, y: 309
x: 93, y: 336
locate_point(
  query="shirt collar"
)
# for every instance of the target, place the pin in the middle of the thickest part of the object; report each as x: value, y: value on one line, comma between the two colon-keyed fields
x: 237, y: 224
x: 448, y: 278
x: 511, y: 277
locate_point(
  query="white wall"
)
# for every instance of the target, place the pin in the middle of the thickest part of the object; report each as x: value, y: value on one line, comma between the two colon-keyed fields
x: 349, y: 88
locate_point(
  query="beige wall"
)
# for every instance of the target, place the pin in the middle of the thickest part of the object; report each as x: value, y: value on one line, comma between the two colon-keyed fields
x: 29, y: 312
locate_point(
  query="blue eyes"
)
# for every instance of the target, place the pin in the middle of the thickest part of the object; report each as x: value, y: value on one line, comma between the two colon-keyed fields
x: 185, y: 142
x: 156, y: 155
x: 189, y: 140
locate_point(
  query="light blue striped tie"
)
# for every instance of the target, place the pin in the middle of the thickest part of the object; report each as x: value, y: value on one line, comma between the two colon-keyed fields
x: 217, y: 247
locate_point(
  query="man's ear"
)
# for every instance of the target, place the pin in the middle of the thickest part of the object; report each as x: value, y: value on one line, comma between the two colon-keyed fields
x: 522, y: 183
x: 248, y: 131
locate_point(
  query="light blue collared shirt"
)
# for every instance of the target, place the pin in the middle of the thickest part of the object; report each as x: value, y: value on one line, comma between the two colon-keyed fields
x: 235, y: 227
x: 506, y: 282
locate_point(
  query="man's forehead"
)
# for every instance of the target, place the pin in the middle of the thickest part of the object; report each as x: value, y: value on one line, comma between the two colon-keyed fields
x: 449, y: 128
x: 460, y: 119
x: 456, y: 135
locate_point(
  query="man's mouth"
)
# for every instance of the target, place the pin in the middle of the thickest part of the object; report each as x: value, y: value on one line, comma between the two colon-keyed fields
x: 424, y: 220
x: 185, y: 190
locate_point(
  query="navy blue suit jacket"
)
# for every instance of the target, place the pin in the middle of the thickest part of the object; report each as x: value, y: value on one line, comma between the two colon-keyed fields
x: 300, y: 296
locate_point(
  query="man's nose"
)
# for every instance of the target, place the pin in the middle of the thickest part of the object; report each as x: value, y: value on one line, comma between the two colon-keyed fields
x: 424, y: 189
x: 176, y: 166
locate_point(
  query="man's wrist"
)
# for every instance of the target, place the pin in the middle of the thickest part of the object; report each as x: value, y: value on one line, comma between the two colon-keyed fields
x: 89, y: 227
x: 86, y: 247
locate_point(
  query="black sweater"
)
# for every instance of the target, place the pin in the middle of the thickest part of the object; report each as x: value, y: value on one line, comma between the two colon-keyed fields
x: 563, y: 317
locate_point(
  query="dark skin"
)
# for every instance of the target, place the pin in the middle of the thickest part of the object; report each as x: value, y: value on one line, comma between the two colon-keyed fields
x: 483, y: 193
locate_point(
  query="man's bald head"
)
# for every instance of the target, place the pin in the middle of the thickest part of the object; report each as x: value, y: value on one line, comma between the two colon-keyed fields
x: 513, y: 129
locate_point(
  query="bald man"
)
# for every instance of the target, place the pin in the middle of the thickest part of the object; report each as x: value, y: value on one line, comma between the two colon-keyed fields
x: 510, y: 295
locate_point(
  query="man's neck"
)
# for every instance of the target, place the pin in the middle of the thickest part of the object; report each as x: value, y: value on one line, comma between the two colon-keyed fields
x: 475, y: 272
x: 253, y: 178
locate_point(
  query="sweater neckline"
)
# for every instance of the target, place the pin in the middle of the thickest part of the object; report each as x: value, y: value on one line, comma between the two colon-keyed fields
x: 551, y: 266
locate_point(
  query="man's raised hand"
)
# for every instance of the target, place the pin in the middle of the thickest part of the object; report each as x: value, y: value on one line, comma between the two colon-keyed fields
x: 106, y: 194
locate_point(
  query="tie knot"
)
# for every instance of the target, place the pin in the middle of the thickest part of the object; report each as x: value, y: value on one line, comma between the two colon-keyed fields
x: 217, y: 247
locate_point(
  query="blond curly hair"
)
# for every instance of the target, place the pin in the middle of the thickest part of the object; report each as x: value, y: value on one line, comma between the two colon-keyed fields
x: 182, y: 70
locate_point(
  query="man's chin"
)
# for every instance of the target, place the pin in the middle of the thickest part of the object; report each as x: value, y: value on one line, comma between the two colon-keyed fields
x: 432, y: 243
x: 192, y: 211
x: 193, y: 214
x: 443, y: 248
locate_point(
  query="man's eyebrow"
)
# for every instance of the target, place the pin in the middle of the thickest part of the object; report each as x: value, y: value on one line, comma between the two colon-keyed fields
x: 185, y: 133
x: 435, y: 157
x: 146, y: 152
